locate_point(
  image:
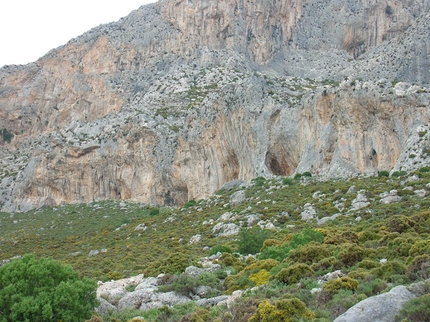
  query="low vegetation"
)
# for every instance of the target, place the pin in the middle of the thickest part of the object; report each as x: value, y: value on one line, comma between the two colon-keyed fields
x: 278, y: 259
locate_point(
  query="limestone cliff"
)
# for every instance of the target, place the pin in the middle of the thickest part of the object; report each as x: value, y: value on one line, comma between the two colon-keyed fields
x: 179, y: 97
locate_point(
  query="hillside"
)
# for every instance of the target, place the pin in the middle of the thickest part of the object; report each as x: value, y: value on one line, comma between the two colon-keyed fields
x: 180, y: 97
x: 229, y: 160
x: 374, y: 230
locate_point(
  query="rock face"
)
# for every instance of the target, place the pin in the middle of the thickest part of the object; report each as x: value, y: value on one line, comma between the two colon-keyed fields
x: 178, y: 98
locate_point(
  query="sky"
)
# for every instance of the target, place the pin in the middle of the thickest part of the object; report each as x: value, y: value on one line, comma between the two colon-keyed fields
x: 31, y: 28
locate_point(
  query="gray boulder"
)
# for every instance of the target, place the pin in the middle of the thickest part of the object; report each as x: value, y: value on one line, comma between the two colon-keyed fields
x: 308, y: 212
x: 360, y: 201
x: 326, y: 219
x: 105, y: 307
x: 229, y: 229
x: 202, y: 290
x: 196, y: 271
x: 421, y: 193
x: 213, y: 300
x: 93, y: 253
x: 161, y: 299
x: 237, y: 198
x: 233, y: 184
x: 390, y: 197
x: 379, y: 308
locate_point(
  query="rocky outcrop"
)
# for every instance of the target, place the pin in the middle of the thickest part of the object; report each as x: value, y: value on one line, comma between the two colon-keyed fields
x: 145, y: 294
x: 382, y: 307
x: 178, y: 98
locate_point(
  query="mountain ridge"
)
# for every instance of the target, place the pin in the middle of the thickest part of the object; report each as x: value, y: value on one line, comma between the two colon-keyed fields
x: 179, y: 97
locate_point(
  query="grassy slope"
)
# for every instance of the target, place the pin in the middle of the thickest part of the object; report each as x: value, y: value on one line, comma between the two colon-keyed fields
x: 163, y: 246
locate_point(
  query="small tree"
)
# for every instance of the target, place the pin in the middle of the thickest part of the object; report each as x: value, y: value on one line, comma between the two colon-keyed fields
x: 44, y: 290
x: 251, y: 240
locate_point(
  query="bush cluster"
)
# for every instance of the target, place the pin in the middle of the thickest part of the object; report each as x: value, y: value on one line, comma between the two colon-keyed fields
x: 44, y: 290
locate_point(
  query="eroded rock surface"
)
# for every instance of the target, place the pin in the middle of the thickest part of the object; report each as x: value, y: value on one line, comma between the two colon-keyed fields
x: 179, y: 97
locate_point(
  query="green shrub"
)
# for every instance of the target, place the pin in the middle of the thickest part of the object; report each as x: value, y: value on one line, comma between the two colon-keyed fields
x: 399, y: 223
x: 287, y: 181
x: 154, y: 212
x: 306, y: 237
x: 294, y: 273
x: 181, y: 284
x: 239, y: 281
x: 309, y: 253
x: 266, y: 264
x: 44, y: 290
x: 342, y: 301
x: 326, y: 263
x: 368, y: 264
x: 371, y: 286
x: 367, y: 235
x: 349, y: 237
x: 359, y: 273
x: 174, y: 263
x: 420, y: 267
x: 351, y: 254
x: 425, y: 169
x: 185, y: 284
x: 219, y: 249
x: 190, y: 203
x: 259, y: 181
x: 134, y: 320
x: 260, y: 278
x: 297, y: 176
x: 251, y: 240
x: 281, y: 252
x: 229, y: 260
x: 271, y: 243
x: 420, y: 247
x: 307, y: 174
x: 278, y: 253
x: 397, y: 174
x: 400, y: 247
x: 241, y: 310
x: 416, y: 310
x: 114, y: 276
x: 283, y: 310
x: 6, y: 135
x: 421, y: 222
x: 388, y: 270
x: 200, y: 315
x: 345, y: 283
x: 383, y: 173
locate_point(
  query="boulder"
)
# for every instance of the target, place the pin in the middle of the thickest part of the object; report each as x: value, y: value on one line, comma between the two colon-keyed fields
x: 136, y: 299
x: 195, y: 271
x: 360, y: 201
x: 381, y: 308
x: 326, y: 219
x: 141, y: 227
x: 195, y: 239
x: 421, y: 193
x: 115, y: 290
x: 93, y: 253
x: 228, y: 229
x: 105, y: 307
x: 329, y: 276
x: 237, y: 198
x: 202, y: 290
x: 390, y: 197
x: 234, y: 184
x: 213, y: 300
x: 308, y: 212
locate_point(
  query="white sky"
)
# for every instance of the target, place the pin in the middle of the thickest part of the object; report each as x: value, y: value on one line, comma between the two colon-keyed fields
x: 31, y: 28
